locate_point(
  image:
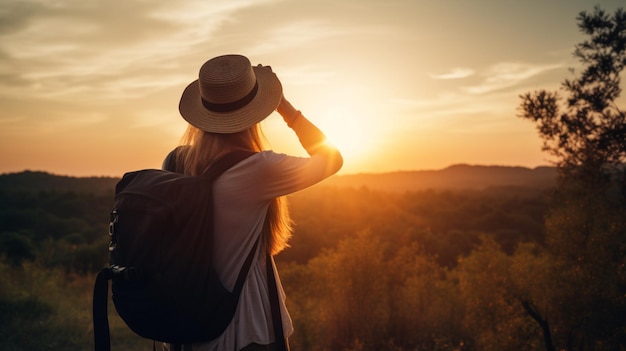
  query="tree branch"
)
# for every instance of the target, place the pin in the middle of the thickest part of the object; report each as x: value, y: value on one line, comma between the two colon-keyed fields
x: 530, y: 308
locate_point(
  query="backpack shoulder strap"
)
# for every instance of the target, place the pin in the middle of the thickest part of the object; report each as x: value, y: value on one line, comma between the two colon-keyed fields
x: 171, y: 161
x: 225, y: 162
x: 101, y: 332
x: 279, y: 334
x: 217, y: 168
x: 212, y: 172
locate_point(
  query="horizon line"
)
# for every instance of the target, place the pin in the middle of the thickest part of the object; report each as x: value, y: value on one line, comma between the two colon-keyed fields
x: 27, y: 170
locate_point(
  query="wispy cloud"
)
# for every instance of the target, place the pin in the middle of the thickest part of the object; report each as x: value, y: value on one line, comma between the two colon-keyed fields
x: 71, y: 48
x: 456, y: 73
x: 509, y: 74
x: 295, y: 34
x: 448, y: 104
x: 489, y: 97
x: 487, y: 105
x: 492, y: 87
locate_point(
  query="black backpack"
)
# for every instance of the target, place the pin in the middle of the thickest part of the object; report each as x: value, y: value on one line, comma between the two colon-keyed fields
x: 164, y: 285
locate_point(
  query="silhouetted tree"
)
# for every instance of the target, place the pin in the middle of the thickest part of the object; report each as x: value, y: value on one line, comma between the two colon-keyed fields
x: 577, y: 299
x: 586, y: 131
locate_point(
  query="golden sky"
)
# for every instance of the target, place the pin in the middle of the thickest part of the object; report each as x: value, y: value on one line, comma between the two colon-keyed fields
x: 91, y: 88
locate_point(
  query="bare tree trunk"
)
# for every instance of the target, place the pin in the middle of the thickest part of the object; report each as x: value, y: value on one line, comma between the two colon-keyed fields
x: 543, y: 324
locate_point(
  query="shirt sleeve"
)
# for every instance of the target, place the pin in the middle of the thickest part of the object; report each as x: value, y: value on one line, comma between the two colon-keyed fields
x: 275, y: 174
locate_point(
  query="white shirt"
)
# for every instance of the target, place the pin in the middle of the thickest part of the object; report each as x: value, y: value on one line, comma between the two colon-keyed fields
x: 242, y: 196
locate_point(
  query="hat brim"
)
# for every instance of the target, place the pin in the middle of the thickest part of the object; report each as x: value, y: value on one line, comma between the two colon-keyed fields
x: 266, y: 100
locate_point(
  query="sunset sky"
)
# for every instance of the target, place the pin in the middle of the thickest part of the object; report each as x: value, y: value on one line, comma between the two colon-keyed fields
x: 91, y: 88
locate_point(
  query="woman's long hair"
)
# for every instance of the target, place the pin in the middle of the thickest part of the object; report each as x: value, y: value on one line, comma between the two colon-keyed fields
x: 203, y: 148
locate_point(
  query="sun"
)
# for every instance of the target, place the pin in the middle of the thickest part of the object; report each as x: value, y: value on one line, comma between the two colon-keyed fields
x: 349, y: 132
x: 351, y: 128
x: 347, y: 136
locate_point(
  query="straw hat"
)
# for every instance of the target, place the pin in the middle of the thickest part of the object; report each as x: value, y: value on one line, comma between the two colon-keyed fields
x: 230, y: 95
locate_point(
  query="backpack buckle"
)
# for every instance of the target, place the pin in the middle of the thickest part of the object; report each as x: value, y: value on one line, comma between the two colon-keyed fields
x: 112, y: 224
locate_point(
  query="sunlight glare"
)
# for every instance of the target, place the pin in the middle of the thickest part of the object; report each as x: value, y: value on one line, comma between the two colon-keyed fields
x: 347, y: 129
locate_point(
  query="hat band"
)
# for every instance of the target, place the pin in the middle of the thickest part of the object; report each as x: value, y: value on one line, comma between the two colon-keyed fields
x: 231, y: 106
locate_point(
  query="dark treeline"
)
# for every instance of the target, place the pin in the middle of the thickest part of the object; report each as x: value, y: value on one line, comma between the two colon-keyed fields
x: 446, y: 224
x: 456, y: 177
x: 42, y: 181
x: 67, y: 225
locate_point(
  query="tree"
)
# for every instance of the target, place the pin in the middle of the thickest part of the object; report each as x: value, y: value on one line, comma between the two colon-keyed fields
x: 587, y: 130
x: 578, y: 298
x: 493, y: 315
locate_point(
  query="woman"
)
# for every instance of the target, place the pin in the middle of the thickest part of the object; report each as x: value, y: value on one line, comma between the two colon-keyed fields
x: 223, y: 108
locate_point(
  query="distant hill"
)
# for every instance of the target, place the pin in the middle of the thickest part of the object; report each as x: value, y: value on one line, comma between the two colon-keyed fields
x: 455, y: 177
x: 35, y: 181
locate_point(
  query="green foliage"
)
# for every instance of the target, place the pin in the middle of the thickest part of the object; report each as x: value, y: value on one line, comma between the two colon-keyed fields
x: 67, y: 229
x: 46, y: 309
x: 31, y: 181
x: 586, y: 245
x: 445, y: 223
x: 493, y: 314
x: 365, y: 295
x: 21, y: 317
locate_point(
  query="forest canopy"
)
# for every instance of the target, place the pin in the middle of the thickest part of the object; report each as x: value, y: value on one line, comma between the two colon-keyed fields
x: 412, y: 241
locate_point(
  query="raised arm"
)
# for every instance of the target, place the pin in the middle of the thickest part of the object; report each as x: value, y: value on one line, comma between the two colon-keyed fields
x: 311, y: 138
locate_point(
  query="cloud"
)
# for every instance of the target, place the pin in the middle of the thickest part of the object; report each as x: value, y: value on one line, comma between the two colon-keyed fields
x: 296, y: 34
x: 489, y: 95
x: 456, y: 73
x: 73, y: 49
x: 69, y: 64
x: 448, y: 104
x: 488, y: 105
x: 509, y: 74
